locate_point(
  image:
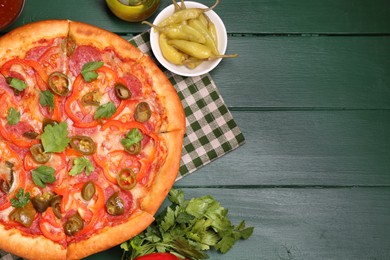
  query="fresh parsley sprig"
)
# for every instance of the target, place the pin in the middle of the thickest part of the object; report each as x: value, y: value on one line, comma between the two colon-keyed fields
x: 81, y: 164
x: 187, y: 228
x: 17, y: 84
x: 43, y: 175
x: 105, y: 111
x: 55, y: 138
x: 89, y: 70
x: 13, y: 116
x: 132, y: 137
x: 46, y: 98
x: 21, y: 199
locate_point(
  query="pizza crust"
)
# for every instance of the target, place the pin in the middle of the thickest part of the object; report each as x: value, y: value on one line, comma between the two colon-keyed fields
x: 110, y: 236
x: 167, y: 95
x: 167, y: 174
x: 85, y: 34
x: 30, y: 247
x: 17, y: 42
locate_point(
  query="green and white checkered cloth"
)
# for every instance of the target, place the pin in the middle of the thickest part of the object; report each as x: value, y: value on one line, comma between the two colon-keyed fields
x: 211, y: 130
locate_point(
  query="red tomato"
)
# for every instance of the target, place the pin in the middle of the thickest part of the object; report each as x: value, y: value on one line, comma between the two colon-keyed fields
x: 158, y: 256
x: 51, y: 227
x: 83, y: 115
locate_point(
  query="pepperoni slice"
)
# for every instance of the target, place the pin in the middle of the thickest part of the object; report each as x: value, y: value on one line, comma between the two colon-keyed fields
x: 53, y: 60
x: 82, y: 55
x: 36, y: 53
x: 134, y: 84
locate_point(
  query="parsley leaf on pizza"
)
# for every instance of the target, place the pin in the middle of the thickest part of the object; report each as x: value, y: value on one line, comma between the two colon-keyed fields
x: 17, y: 84
x: 89, y: 70
x: 21, y: 199
x: 13, y: 116
x: 42, y: 175
x: 132, y: 141
x: 55, y: 137
x: 105, y: 111
x: 81, y: 164
x: 46, y: 98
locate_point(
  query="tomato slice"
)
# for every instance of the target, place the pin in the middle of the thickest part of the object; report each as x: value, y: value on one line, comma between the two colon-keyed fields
x: 124, y: 126
x: 56, y: 161
x: 53, y: 60
x: 51, y: 227
x: 9, y: 157
x: 114, y: 162
x: 15, y: 133
x: 40, y: 74
x: 82, y: 114
x: 91, y: 214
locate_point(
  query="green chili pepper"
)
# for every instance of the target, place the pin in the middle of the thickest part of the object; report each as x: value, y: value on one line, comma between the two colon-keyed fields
x: 197, y: 24
x: 193, y: 49
x: 185, y: 14
x: 179, y: 32
x: 170, y: 53
x: 59, y: 83
x: 91, y: 98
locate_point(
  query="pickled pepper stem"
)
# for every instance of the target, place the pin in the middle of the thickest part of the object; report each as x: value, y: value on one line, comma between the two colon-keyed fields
x: 211, y: 7
x: 214, y: 57
x: 183, y: 5
x: 235, y: 55
x: 179, y: 32
x: 176, y: 5
x: 185, y: 14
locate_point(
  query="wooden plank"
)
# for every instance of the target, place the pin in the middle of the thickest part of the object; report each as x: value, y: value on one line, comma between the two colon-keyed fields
x: 251, y: 16
x: 313, y: 72
x: 349, y: 223
x: 308, y: 148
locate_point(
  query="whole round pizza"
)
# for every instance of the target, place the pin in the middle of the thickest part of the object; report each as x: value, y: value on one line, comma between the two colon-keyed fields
x: 91, y: 134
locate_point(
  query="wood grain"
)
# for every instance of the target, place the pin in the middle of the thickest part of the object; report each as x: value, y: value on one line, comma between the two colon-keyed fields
x: 310, y: 72
x: 304, y: 148
x: 242, y: 17
x: 307, y: 223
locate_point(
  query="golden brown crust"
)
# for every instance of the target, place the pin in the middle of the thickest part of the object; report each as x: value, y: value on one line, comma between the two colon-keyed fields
x: 167, y: 174
x: 167, y: 95
x: 30, y: 247
x: 110, y: 236
x: 85, y: 34
x: 17, y: 42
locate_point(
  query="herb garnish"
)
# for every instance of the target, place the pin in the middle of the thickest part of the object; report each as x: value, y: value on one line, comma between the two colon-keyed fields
x: 187, y: 228
x: 46, y: 98
x: 105, y: 111
x: 17, y: 84
x: 42, y: 175
x: 55, y: 137
x: 13, y: 116
x: 81, y: 164
x: 88, y: 71
x: 132, y: 137
x: 21, y: 199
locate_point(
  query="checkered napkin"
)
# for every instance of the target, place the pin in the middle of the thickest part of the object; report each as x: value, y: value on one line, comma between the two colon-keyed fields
x: 211, y: 130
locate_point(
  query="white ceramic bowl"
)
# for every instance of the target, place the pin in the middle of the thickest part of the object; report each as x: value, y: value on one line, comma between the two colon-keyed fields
x: 205, y: 66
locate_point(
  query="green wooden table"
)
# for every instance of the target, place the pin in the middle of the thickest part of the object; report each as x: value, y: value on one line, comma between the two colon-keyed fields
x: 311, y: 94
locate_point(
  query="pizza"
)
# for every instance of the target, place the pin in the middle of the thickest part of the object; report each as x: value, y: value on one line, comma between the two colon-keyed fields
x: 91, y: 134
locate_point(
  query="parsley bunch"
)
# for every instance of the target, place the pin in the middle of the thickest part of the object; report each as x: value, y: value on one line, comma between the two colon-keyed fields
x: 186, y: 228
